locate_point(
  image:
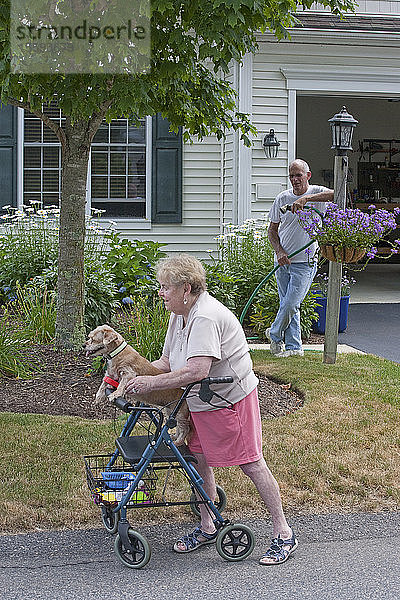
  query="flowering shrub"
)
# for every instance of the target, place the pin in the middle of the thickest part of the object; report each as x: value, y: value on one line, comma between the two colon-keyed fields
x: 245, y: 256
x: 320, y: 284
x: 351, y: 228
x: 115, y: 269
x: 28, y: 244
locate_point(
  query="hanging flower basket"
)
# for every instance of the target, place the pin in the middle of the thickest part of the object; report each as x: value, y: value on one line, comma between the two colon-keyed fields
x: 347, y: 234
x: 343, y: 255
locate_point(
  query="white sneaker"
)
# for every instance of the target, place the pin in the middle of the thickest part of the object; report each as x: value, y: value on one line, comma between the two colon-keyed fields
x: 287, y: 353
x: 274, y: 347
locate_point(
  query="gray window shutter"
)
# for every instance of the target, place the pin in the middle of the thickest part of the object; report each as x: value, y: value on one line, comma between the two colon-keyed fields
x: 8, y: 155
x: 166, y: 173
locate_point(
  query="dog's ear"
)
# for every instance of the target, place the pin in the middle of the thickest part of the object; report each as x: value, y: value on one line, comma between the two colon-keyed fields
x: 110, y: 336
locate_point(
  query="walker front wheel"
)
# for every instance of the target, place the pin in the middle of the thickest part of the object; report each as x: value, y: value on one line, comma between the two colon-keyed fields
x: 139, y: 552
x: 220, y: 502
x: 235, y: 542
x: 110, y: 519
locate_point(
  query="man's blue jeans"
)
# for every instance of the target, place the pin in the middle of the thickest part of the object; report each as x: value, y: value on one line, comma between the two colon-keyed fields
x: 293, y: 281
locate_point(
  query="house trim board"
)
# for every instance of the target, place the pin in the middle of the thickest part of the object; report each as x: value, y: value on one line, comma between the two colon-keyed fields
x: 342, y: 80
x: 245, y: 154
x: 20, y: 157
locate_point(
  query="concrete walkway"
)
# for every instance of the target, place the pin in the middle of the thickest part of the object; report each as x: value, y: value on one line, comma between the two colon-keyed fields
x: 342, y: 348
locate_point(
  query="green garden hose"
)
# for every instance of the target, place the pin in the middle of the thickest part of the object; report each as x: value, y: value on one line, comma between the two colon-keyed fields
x: 267, y: 277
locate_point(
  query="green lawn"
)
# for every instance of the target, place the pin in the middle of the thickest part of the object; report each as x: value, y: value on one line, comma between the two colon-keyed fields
x: 339, y: 452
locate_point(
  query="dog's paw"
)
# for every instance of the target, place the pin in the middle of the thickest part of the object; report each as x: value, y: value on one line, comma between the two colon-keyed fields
x: 178, y: 439
x: 99, y: 400
x: 181, y: 432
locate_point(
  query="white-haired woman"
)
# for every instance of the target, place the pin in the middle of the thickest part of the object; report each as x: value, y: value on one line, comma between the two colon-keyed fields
x: 204, y: 339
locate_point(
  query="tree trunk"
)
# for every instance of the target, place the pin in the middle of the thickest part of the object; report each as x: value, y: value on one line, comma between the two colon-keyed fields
x: 75, y: 144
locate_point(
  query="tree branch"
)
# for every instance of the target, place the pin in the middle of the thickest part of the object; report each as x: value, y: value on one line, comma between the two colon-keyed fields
x: 98, y: 117
x: 46, y: 120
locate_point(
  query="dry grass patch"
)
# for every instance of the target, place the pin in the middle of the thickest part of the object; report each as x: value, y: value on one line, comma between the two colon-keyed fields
x: 340, y: 451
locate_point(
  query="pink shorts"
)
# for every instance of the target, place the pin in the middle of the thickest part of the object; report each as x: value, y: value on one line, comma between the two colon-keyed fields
x: 229, y: 437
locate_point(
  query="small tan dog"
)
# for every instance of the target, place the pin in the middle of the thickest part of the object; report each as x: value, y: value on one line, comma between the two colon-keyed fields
x: 123, y: 364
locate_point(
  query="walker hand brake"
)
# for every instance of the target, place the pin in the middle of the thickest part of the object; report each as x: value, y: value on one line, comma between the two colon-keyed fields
x: 206, y: 394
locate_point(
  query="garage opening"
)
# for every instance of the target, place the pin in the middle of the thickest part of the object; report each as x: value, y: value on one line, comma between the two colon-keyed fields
x: 374, y: 164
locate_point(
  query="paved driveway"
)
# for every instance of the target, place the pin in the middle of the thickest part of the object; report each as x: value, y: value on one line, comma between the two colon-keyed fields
x: 374, y: 328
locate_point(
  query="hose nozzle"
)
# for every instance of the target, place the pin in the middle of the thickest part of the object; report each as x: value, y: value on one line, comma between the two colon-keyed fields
x: 285, y: 208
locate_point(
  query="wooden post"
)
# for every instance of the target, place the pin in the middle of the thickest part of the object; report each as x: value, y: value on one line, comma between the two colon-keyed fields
x: 335, y: 269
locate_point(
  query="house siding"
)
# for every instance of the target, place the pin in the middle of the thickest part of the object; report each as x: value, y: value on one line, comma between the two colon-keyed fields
x: 270, y: 110
x: 271, y: 96
x: 201, y: 204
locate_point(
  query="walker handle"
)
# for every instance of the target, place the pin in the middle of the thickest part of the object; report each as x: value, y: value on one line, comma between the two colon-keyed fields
x: 210, y: 380
x: 122, y: 404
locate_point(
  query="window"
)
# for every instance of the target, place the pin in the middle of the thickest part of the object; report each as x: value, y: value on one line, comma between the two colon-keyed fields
x: 117, y: 168
x: 42, y: 160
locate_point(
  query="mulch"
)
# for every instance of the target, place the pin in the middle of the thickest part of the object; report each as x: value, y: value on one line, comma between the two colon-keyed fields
x: 64, y: 386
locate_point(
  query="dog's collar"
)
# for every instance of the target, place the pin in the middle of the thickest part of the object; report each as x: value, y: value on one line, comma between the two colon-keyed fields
x: 116, y: 351
x: 112, y: 382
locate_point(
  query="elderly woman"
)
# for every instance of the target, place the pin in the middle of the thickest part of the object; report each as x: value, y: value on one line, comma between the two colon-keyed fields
x: 204, y: 338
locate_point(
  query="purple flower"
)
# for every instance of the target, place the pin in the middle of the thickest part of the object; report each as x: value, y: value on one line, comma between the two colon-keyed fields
x: 127, y: 300
x: 348, y: 227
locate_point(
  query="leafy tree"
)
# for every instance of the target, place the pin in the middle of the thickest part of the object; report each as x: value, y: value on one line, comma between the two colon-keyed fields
x: 192, y: 45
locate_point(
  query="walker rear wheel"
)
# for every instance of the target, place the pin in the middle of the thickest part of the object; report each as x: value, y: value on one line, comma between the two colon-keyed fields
x: 235, y: 542
x: 110, y: 519
x: 139, y: 552
x: 220, y: 502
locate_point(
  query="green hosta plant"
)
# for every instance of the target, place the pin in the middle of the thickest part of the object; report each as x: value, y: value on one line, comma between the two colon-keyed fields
x: 132, y: 264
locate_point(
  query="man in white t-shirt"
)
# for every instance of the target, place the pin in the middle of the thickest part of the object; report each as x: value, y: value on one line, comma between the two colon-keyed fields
x: 294, y: 275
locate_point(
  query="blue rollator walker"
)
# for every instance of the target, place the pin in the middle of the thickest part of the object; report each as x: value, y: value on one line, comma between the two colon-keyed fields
x: 128, y: 478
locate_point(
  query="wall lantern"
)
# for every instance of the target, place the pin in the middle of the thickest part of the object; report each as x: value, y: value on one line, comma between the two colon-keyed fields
x: 342, y: 131
x: 271, y: 144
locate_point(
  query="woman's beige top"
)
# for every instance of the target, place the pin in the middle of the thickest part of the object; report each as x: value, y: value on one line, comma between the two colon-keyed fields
x: 212, y: 330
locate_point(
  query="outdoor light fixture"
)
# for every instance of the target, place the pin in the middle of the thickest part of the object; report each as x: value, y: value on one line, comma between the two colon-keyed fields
x: 271, y: 144
x: 342, y: 131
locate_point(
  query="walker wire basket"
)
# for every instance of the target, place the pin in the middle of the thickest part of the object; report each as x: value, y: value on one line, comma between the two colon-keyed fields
x: 109, y: 484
